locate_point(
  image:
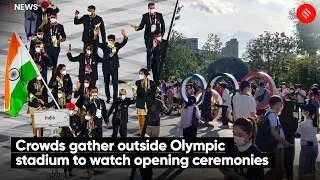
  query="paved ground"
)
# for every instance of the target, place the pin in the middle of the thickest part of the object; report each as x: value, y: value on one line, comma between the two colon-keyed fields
x: 117, y: 14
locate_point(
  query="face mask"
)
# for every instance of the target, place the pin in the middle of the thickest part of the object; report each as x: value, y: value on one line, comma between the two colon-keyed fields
x: 87, y: 117
x: 40, y: 36
x: 59, y: 95
x: 298, y: 89
x: 291, y: 91
x: 89, y: 13
x: 159, y: 38
x: 283, y: 87
x: 39, y: 78
x: 152, y: 11
x: 86, y: 85
x: 141, y: 76
x: 88, y: 52
x: 110, y: 45
x: 53, y: 20
x: 239, y: 140
x: 44, y: 9
x: 71, y: 112
x: 38, y: 50
x: 123, y: 97
x: 64, y: 72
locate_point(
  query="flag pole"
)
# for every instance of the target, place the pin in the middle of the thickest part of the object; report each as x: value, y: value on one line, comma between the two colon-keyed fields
x: 39, y: 74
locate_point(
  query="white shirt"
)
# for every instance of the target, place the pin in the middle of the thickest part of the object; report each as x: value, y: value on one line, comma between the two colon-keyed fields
x: 300, y: 99
x: 243, y: 105
x: 226, y: 97
x: 308, y: 132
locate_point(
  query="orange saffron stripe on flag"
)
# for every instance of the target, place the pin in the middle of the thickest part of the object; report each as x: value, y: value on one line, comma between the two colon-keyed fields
x: 12, y: 52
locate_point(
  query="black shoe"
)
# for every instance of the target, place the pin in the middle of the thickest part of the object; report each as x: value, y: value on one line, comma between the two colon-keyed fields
x: 108, y: 100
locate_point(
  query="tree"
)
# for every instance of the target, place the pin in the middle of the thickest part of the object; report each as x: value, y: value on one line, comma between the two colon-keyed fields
x: 211, y: 51
x: 308, y: 35
x: 234, y: 66
x: 180, y: 60
x: 269, y: 52
x: 304, y: 71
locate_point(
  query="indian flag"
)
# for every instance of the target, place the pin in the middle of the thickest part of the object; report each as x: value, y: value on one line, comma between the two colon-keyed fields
x: 20, y: 69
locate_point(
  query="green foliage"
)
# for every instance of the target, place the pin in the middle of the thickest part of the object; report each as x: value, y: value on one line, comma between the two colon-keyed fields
x: 234, y: 66
x: 180, y: 61
x: 308, y: 35
x: 269, y: 52
x: 211, y: 51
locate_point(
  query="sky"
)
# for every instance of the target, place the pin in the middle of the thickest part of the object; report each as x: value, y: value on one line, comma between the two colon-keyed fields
x: 241, y: 19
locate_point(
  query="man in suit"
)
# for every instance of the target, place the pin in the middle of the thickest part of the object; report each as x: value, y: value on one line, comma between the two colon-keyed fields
x: 53, y: 35
x: 94, y: 103
x: 155, y: 54
x: 88, y: 64
x: 151, y: 21
x: 120, y: 117
x: 40, y: 56
x: 90, y: 22
x: 111, y: 68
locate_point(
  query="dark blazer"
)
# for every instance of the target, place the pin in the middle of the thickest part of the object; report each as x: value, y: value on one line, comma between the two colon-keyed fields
x: 145, y: 23
x: 47, y: 33
x: 145, y: 96
x: 88, y: 27
x: 114, y: 60
x: 96, y: 130
x: 124, y: 105
x: 75, y: 124
x: 32, y: 89
x: 81, y: 96
x: 82, y: 65
x: 99, y: 104
x: 156, y: 53
x: 67, y: 85
x: 45, y: 62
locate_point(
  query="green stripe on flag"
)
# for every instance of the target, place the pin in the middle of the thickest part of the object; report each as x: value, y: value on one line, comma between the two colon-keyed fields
x: 19, y: 94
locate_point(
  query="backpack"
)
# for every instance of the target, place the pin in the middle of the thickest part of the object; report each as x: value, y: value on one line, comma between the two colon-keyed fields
x: 264, y: 139
x: 261, y: 97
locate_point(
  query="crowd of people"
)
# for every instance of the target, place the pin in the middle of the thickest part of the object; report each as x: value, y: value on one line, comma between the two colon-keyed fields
x: 88, y: 112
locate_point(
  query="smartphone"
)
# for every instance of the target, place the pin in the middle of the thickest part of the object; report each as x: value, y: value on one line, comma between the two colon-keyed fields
x: 69, y: 45
x: 77, y: 12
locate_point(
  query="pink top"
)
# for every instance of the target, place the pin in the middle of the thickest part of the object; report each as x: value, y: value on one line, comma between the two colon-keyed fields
x: 186, y: 116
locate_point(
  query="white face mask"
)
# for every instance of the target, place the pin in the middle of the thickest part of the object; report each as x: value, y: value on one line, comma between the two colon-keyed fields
x: 152, y: 11
x: 87, y: 117
x: 53, y: 20
x: 298, y: 89
x: 39, y: 36
x: 141, y: 76
x: 240, y: 141
x: 44, y: 9
x: 159, y: 38
x: 291, y: 91
x: 88, y: 52
x: 123, y: 97
x: 39, y: 78
x: 89, y: 13
x: 64, y: 72
x: 59, y: 95
x: 38, y: 50
x: 71, y: 112
x: 86, y: 85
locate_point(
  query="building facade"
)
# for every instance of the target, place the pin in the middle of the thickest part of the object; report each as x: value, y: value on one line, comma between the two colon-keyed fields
x: 231, y: 49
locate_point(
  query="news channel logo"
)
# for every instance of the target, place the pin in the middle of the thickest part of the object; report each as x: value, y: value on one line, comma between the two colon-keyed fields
x: 306, y: 13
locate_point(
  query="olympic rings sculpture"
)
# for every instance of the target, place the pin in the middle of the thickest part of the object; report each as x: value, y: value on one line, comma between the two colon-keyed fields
x: 213, y: 79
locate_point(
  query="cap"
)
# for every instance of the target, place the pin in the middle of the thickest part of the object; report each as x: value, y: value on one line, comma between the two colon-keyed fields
x: 311, y: 108
x: 71, y: 106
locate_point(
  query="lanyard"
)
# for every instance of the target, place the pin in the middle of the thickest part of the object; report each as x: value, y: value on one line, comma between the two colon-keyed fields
x: 51, y: 29
x: 40, y: 57
x: 86, y: 60
x: 155, y: 18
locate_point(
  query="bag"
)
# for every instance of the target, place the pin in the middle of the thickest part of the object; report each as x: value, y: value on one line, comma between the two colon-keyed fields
x: 261, y: 97
x: 265, y: 140
x: 195, y: 120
